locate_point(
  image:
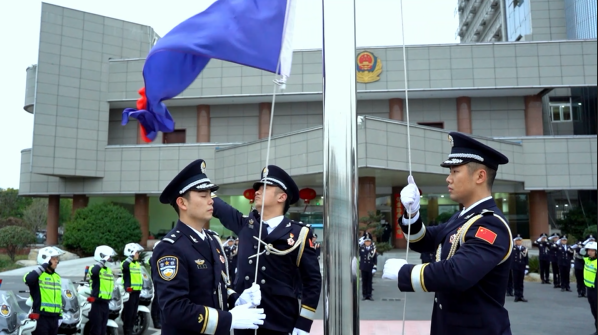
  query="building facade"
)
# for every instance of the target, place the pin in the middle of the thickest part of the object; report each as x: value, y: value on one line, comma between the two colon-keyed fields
x: 525, y: 20
x: 508, y: 95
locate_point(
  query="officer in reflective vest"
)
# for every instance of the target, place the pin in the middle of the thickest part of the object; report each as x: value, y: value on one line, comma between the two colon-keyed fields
x: 102, y: 285
x: 133, y: 282
x: 44, y: 286
x: 589, y: 275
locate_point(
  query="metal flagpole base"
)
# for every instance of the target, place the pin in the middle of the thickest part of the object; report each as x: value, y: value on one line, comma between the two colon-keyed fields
x: 341, y: 303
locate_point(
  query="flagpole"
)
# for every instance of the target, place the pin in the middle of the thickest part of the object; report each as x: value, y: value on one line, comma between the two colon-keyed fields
x: 341, y: 303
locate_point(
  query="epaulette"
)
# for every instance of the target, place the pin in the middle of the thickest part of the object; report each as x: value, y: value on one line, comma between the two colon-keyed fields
x: 308, y: 225
x: 487, y: 212
x: 211, y: 232
x: 172, y: 237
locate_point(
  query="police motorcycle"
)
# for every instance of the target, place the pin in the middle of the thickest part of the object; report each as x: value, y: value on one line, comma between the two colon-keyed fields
x: 85, y: 298
x: 13, y: 321
x: 71, y: 313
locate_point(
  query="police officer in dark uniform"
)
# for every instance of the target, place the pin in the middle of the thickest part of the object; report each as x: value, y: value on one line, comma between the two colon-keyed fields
x: 544, y: 257
x: 565, y: 255
x: 191, y: 276
x: 578, y: 266
x: 554, y: 259
x: 368, y: 264
x: 155, y: 312
x: 475, y: 245
x: 519, y: 267
x: 286, y: 255
x: 316, y: 245
x: 230, y: 249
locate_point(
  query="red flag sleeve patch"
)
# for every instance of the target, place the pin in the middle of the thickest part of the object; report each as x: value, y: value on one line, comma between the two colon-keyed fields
x: 486, y: 235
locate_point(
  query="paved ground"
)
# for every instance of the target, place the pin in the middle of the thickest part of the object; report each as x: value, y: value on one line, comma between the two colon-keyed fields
x: 548, y: 311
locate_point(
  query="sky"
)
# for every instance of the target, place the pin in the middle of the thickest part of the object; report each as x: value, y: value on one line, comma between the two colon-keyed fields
x: 378, y: 24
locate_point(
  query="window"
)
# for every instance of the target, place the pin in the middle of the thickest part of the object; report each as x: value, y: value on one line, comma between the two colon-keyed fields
x: 439, y: 125
x: 561, y: 112
x: 177, y: 136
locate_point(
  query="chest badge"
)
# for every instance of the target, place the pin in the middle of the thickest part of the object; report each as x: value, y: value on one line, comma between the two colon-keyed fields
x: 251, y: 223
x: 452, y: 238
x: 222, y: 259
x: 201, y: 264
x: 290, y: 240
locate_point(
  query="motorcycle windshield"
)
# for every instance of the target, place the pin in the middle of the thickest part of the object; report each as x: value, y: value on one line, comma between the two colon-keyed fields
x: 147, y: 280
x: 70, y: 301
x: 9, y: 312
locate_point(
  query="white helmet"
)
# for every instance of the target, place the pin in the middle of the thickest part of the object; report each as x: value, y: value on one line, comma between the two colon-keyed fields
x: 132, y: 248
x: 103, y: 251
x: 44, y: 254
x: 156, y: 244
x: 591, y: 245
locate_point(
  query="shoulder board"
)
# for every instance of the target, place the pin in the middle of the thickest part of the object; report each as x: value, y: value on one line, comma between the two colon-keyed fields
x: 211, y: 232
x: 487, y: 212
x: 301, y: 223
x: 171, y: 237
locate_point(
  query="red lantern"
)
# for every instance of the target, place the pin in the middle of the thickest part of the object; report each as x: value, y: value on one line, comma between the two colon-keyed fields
x: 249, y: 194
x: 307, y: 194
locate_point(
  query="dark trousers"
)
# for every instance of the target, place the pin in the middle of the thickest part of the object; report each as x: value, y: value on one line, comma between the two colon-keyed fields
x: 366, y: 283
x: 518, y: 275
x: 260, y: 331
x: 98, y: 317
x: 544, y: 271
x: 130, y: 311
x: 564, y: 270
x: 556, y: 275
x: 581, y: 287
x: 510, y: 283
x: 46, y: 325
x: 592, y: 300
x: 156, y: 312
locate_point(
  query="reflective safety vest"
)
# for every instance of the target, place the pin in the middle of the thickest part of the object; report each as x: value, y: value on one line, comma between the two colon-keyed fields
x: 50, y: 292
x: 135, y: 271
x: 589, y: 272
x: 106, y: 283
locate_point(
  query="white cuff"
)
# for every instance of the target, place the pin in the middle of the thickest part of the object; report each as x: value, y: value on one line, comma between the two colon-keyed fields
x: 407, y: 222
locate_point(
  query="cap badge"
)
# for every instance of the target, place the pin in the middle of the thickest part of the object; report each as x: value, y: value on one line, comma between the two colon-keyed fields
x: 450, y: 138
x: 203, y: 167
x: 265, y: 172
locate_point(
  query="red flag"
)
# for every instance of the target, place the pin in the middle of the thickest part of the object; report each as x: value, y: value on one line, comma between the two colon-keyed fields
x: 486, y: 235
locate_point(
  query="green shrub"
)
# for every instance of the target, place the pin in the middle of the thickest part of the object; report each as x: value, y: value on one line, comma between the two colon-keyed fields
x: 591, y: 230
x: 534, y: 264
x: 101, y: 224
x: 15, y: 238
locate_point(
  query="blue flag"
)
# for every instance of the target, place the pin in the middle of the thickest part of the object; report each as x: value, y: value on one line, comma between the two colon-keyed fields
x: 255, y: 33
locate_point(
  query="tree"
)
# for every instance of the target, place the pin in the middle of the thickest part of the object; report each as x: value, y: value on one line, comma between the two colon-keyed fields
x: 66, y: 207
x: 372, y: 223
x: 14, y: 238
x: 36, y: 214
x: 11, y: 204
x: 101, y: 224
x: 14, y: 222
x: 577, y: 220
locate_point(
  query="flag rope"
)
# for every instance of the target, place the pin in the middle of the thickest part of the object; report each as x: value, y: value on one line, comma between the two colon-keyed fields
x: 408, y: 148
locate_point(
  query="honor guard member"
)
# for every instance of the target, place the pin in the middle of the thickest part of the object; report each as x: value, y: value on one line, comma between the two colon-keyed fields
x: 191, y: 276
x: 156, y: 313
x: 102, y: 285
x: 132, y: 282
x: 368, y: 264
x: 519, y: 267
x: 589, y: 275
x: 473, y: 247
x: 230, y: 249
x: 554, y: 259
x: 565, y: 255
x: 287, y: 261
x: 544, y: 257
x: 46, y: 292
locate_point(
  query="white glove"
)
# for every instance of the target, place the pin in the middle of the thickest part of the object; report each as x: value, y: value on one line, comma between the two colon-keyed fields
x: 299, y: 332
x: 373, y: 271
x: 59, y: 322
x: 252, y: 296
x: 410, y: 196
x: 582, y: 251
x: 244, y: 317
x: 526, y: 272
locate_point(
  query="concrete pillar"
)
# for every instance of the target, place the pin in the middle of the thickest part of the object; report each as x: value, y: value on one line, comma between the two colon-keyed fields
x: 533, y: 116
x: 538, y: 214
x: 203, y: 124
x: 79, y: 201
x: 366, y: 198
x: 53, y: 215
x: 432, y: 209
x: 395, y: 109
x: 264, y: 119
x: 142, y: 215
x: 398, y: 237
x: 464, y: 115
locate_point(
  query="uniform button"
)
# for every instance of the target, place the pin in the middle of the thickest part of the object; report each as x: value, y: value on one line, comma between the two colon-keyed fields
x: 263, y: 268
x: 263, y: 281
x: 440, y: 306
x: 214, y: 292
x: 250, y: 261
x: 267, y: 252
x: 246, y: 277
x: 255, y: 247
x: 436, y: 299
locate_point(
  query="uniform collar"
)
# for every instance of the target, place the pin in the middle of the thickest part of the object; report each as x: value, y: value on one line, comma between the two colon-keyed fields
x: 465, y: 210
x: 274, y: 222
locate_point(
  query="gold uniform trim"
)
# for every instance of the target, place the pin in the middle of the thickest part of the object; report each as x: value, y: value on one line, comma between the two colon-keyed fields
x: 419, y: 238
x: 421, y: 277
